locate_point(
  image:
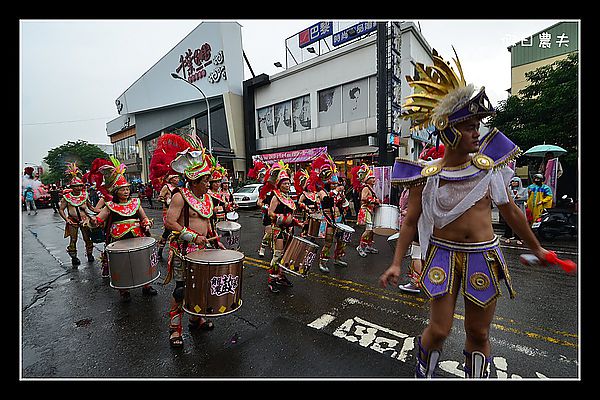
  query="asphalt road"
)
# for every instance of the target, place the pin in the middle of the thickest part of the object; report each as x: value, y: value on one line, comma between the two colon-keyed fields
x: 340, y: 325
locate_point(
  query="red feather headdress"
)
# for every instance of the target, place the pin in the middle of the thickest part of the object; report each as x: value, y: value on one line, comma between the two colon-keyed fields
x: 167, y: 147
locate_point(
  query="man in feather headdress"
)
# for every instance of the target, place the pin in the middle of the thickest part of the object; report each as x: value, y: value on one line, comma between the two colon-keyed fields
x: 73, y: 208
x: 450, y: 201
x: 189, y: 218
x: 258, y: 172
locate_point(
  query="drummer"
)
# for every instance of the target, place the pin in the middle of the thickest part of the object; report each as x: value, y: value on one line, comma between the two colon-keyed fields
x: 189, y: 217
x: 332, y: 201
x: 281, y: 212
x: 123, y: 215
x: 363, y: 180
x: 230, y: 203
x: 221, y: 207
x: 308, y: 201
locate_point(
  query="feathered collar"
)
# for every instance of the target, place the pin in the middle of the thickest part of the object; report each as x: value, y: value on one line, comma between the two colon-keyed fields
x: 203, y: 206
x: 285, y: 199
x: 125, y: 209
x: 73, y: 200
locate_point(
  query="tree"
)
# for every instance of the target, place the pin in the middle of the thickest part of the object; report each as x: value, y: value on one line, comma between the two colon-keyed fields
x: 80, y: 152
x: 546, y: 111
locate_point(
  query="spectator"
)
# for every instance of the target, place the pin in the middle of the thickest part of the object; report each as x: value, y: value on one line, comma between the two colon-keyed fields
x: 149, y: 191
x: 29, y: 200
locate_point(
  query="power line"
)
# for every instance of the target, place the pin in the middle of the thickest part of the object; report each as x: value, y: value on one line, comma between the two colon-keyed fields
x: 65, y: 122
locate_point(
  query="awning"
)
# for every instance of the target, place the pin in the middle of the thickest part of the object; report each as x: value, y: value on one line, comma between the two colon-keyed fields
x: 292, y: 156
x: 353, y: 152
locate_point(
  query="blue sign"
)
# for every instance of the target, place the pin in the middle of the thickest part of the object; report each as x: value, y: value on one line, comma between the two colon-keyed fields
x: 360, y: 29
x: 315, y: 33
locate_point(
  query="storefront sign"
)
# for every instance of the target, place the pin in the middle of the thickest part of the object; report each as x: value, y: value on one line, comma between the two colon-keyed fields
x: 315, y: 33
x: 293, y: 156
x: 353, y: 32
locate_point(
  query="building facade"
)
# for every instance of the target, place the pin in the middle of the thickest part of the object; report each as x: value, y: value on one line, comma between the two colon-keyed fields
x: 198, y: 81
x: 345, y: 101
x: 540, y: 49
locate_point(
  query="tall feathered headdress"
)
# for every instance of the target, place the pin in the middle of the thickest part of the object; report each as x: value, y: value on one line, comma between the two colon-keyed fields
x: 321, y: 171
x: 275, y: 175
x: 193, y: 162
x: 114, y: 175
x: 442, y: 98
x: 167, y: 147
x: 360, y: 175
x: 218, y: 172
x: 74, y: 174
x: 300, y: 180
x: 94, y: 177
x: 258, y: 171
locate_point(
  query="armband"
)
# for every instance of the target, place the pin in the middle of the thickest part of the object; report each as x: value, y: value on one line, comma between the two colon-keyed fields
x: 99, y: 221
x: 188, y: 235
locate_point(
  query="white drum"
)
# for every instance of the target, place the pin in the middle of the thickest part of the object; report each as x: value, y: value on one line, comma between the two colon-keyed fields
x: 344, y: 232
x: 232, y: 216
x: 385, y: 220
x: 230, y: 234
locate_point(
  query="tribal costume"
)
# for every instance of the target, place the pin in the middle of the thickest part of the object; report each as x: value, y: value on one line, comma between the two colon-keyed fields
x: 332, y: 204
x: 360, y: 181
x: 308, y: 201
x: 79, y: 203
x: 125, y: 219
x: 443, y: 99
x: 220, y: 205
x: 282, y: 221
x: 192, y: 162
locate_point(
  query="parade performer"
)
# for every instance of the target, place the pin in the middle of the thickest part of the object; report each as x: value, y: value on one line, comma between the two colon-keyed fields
x: 123, y: 216
x: 450, y: 202
x: 259, y: 172
x: 228, y: 195
x: 539, y: 197
x: 308, y: 201
x: 281, y: 212
x: 334, y: 205
x: 363, y: 180
x: 189, y: 218
x: 95, y: 178
x: 163, y: 178
x: 75, y: 202
x: 221, y: 206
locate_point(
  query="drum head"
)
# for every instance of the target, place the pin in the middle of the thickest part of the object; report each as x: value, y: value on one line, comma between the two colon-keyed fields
x: 127, y: 245
x: 215, y: 256
x: 344, y: 227
x: 232, y: 216
x: 228, y: 226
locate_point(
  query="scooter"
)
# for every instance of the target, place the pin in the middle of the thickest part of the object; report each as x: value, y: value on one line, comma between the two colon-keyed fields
x: 557, y: 221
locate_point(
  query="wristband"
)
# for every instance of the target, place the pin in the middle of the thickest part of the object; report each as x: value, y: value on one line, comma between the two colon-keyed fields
x: 188, y: 235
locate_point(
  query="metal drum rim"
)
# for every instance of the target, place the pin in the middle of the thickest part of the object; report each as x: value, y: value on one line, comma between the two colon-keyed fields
x: 186, y: 258
x: 135, y: 286
x: 212, y: 315
x: 144, y: 247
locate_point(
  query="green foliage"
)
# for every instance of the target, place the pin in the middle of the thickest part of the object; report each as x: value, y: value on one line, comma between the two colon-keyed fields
x: 546, y: 111
x: 80, y: 152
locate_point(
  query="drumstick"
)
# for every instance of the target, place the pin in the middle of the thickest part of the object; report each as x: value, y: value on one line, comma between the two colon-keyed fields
x: 213, y: 238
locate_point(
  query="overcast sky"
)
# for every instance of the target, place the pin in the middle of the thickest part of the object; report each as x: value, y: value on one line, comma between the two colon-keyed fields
x: 72, y: 71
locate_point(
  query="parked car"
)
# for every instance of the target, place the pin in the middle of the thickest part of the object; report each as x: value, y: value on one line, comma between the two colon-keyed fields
x: 246, y: 196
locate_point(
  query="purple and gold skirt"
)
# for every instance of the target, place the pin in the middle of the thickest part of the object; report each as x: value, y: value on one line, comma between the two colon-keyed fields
x: 479, y: 266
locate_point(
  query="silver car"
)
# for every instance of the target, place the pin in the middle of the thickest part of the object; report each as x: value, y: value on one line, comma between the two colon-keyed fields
x: 247, y: 195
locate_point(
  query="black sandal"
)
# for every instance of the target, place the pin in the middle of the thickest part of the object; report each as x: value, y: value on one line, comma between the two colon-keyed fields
x: 176, y: 341
x: 195, y: 324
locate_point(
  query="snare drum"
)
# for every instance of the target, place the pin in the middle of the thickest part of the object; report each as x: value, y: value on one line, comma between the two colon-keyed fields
x: 314, y: 224
x: 230, y: 234
x: 132, y: 262
x: 344, y: 232
x: 232, y: 216
x: 213, y: 282
x: 392, y: 240
x: 385, y: 220
x: 299, y: 256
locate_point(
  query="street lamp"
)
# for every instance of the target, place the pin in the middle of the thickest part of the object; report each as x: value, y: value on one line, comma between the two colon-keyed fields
x: 175, y: 76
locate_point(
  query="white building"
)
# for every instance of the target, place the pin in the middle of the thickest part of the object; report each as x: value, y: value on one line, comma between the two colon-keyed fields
x: 332, y: 101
